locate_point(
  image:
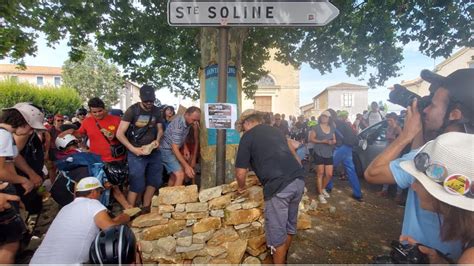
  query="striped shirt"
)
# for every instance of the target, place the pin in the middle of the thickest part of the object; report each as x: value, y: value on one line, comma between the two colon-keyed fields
x: 175, y: 133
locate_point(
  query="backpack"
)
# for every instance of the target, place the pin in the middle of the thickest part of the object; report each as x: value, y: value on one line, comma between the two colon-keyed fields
x: 72, y: 169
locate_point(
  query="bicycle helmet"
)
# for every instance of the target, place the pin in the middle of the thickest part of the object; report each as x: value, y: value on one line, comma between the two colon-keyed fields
x: 115, y: 245
x: 63, y: 142
x: 116, y: 172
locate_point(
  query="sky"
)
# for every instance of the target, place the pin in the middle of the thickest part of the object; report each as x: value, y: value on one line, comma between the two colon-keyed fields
x: 311, y: 81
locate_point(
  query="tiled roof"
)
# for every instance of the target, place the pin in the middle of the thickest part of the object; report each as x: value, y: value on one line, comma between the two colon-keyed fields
x: 37, y: 70
x: 347, y: 85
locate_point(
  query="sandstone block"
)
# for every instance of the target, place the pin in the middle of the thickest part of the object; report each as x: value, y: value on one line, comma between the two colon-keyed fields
x: 165, y: 208
x: 191, y: 222
x: 234, y: 207
x: 179, y: 215
x: 180, y: 207
x: 184, y: 241
x: 217, y: 213
x: 250, y: 231
x: 251, y: 261
x: 256, y: 251
x: 220, y: 202
x: 178, y: 194
x: 197, y: 215
x: 255, y: 193
x: 215, y: 251
x: 201, y: 238
x: 223, y: 235
x: 166, y: 215
x: 159, y: 231
x: 165, y: 245
x: 219, y: 261
x: 240, y: 226
x: 231, y: 187
x: 207, y: 194
x: 250, y: 204
x: 192, y: 254
x: 154, y: 201
x: 192, y: 247
x: 196, y: 207
x: 146, y: 246
x: 207, y: 224
x: 201, y: 260
x: 304, y: 221
x: 242, y: 216
x: 235, y: 250
x: 252, y: 180
x: 257, y: 241
x: 150, y: 219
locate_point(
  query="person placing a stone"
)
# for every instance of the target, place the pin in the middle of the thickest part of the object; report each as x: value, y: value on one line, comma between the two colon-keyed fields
x: 265, y: 150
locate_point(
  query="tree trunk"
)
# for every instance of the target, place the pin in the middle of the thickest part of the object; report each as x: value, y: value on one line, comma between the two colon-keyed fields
x: 209, y: 56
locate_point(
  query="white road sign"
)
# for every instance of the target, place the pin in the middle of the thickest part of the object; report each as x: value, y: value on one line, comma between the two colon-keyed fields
x: 250, y: 13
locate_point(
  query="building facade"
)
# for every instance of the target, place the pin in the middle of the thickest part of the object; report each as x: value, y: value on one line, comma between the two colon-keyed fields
x: 277, y: 92
x: 37, y: 75
x: 464, y: 58
x: 348, y: 97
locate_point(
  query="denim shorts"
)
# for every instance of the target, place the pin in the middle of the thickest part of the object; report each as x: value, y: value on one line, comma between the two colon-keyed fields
x: 170, y: 162
x: 281, y: 213
x: 144, y: 171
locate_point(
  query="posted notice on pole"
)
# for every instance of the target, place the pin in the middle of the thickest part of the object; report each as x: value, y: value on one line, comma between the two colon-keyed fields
x: 220, y: 115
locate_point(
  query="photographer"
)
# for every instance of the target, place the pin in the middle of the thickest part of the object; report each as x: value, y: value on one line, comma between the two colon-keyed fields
x: 450, y: 109
x: 455, y: 203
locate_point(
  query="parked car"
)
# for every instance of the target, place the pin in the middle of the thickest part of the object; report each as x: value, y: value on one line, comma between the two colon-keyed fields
x: 372, y: 141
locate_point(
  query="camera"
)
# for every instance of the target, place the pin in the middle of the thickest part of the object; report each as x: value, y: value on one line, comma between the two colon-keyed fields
x: 402, y: 96
x: 403, y: 254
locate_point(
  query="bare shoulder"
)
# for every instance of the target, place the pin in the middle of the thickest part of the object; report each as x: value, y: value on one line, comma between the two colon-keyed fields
x: 467, y: 256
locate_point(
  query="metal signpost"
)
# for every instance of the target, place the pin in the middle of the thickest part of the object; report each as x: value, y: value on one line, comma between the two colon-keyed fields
x: 245, y: 13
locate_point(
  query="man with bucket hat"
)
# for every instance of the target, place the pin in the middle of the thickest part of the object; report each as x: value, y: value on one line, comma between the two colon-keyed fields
x: 76, y: 225
x: 450, y: 110
x: 265, y: 150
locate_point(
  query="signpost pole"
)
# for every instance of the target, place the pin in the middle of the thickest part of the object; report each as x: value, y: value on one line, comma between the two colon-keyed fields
x: 222, y: 98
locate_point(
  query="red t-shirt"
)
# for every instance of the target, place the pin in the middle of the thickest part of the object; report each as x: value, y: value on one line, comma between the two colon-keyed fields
x: 98, y: 143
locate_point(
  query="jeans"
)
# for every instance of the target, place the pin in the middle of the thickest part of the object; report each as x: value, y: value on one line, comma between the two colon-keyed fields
x: 144, y: 171
x: 344, y: 154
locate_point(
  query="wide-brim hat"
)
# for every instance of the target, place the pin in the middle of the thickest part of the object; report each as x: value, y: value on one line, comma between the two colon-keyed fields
x: 454, y: 150
x: 33, y: 116
x: 243, y: 116
x: 88, y: 183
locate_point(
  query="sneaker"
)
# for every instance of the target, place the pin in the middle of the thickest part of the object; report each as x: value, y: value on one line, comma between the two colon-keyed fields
x: 322, y: 199
x: 325, y: 194
x: 359, y: 199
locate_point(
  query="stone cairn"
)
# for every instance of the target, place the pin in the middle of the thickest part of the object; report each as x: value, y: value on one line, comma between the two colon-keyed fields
x: 216, y: 225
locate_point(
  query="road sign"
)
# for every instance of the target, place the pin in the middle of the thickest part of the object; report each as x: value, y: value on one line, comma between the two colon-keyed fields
x: 250, y: 13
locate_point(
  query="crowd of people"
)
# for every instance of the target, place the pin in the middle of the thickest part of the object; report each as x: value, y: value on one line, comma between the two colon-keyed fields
x: 128, y: 156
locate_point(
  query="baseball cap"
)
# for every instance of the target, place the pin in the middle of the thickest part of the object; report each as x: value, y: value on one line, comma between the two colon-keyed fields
x: 452, y: 179
x: 33, y: 116
x: 460, y: 85
x: 88, y: 183
x: 147, y: 93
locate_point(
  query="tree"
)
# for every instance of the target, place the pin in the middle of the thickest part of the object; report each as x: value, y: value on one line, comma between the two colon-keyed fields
x: 93, y: 77
x: 368, y: 37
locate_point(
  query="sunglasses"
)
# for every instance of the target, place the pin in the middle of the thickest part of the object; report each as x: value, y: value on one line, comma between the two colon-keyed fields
x: 457, y: 184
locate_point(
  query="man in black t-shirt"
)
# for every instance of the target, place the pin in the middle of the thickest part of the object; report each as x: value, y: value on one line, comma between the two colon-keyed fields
x: 140, y: 131
x: 266, y: 151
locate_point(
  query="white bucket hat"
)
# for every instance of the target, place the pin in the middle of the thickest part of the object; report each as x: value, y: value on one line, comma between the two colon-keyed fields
x: 454, y: 151
x: 33, y: 116
x: 88, y: 183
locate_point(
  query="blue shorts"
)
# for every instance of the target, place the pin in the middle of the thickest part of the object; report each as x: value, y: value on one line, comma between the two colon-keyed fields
x: 281, y: 213
x: 144, y: 171
x: 170, y: 162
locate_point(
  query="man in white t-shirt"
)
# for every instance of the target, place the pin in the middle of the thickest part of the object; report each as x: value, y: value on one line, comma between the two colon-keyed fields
x: 77, y: 224
x: 374, y: 115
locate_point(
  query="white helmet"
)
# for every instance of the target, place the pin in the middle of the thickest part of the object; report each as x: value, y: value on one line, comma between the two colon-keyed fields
x: 63, y: 142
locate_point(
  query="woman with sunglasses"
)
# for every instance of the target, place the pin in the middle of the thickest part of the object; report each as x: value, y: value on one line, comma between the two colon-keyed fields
x: 444, y: 172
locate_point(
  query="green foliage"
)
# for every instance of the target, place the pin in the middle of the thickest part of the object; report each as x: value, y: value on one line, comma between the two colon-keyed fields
x: 93, y: 77
x: 53, y: 100
x: 367, y: 37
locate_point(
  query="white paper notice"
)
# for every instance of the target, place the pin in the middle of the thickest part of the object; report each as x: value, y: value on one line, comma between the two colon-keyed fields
x: 220, y: 115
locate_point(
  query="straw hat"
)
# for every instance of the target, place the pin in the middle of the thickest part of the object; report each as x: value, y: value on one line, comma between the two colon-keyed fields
x: 243, y: 116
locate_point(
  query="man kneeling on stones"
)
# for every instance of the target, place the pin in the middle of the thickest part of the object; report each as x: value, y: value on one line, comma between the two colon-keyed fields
x: 266, y: 151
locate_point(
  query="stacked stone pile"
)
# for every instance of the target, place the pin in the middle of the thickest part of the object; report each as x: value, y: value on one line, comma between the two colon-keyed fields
x: 216, y: 225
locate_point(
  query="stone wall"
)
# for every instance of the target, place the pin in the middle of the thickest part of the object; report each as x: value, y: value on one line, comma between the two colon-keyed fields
x: 216, y: 225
